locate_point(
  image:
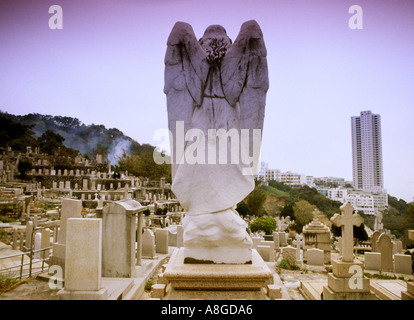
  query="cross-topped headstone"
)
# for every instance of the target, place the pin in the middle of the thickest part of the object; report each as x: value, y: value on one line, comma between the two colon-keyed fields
x: 347, y: 221
x: 298, y: 243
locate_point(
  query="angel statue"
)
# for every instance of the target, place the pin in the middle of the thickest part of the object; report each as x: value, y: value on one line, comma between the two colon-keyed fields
x: 216, y: 94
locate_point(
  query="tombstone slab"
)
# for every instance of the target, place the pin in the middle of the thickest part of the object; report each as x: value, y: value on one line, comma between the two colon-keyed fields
x: 161, y: 240
x: 148, y: 244
x: 372, y: 261
x: 403, y: 264
x: 384, y: 245
x: 83, y: 261
x: 315, y: 257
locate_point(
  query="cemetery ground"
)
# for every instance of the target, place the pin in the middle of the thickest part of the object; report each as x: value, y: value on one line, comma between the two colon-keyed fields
x: 288, y: 278
x: 37, y: 287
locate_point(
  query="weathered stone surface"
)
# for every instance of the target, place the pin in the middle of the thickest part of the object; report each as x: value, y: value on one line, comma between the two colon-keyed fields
x: 214, y: 85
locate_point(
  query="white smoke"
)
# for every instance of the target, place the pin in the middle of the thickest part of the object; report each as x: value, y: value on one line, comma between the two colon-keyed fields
x: 118, y: 147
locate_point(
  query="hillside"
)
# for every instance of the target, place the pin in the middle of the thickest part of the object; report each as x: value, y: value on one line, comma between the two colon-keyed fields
x: 21, y: 131
x: 281, y: 200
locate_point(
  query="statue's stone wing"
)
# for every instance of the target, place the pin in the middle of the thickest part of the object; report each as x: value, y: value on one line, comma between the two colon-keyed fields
x: 186, y: 70
x: 245, y: 80
x: 244, y: 75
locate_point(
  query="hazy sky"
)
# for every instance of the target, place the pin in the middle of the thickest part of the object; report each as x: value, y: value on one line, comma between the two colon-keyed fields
x: 106, y: 66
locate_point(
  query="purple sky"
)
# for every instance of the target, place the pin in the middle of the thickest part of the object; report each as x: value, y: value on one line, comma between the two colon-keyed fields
x: 106, y: 67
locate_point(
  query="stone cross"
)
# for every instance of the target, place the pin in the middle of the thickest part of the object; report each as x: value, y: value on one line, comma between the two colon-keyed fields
x: 347, y: 221
x: 298, y: 243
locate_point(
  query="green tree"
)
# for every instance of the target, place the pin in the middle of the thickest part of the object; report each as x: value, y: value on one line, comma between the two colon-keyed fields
x: 303, y: 212
x: 144, y: 165
x: 15, y: 134
x: 243, y: 209
x: 255, y: 200
x: 288, y: 211
x: 50, y: 142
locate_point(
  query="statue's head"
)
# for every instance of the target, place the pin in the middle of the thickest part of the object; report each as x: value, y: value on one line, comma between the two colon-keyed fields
x: 216, y: 42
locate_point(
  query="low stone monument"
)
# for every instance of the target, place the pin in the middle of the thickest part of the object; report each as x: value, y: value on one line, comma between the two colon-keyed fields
x: 347, y: 281
x: 317, y: 235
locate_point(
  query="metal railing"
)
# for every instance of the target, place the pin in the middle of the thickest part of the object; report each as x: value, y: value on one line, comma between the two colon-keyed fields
x: 33, y: 262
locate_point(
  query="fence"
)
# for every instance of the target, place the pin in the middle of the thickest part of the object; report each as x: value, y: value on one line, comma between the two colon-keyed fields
x: 35, y: 265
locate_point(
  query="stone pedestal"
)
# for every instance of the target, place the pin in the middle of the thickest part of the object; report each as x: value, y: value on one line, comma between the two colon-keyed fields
x: 347, y: 282
x: 216, y: 281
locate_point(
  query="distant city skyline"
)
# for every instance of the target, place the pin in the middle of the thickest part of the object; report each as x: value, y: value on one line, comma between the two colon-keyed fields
x: 106, y: 66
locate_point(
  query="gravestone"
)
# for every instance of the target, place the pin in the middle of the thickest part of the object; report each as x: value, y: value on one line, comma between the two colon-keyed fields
x: 347, y: 280
x: 315, y: 257
x: 397, y: 246
x: 374, y: 239
x: 298, y: 243
x: 384, y: 245
x: 37, y: 245
x: 83, y: 261
x: 403, y: 264
x: 45, y: 242
x: 119, y: 225
x: 148, y: 244
x: 282, y: 239
x: 29, y: 230
x: 347, y: 221
x: 266, y: 249
x: 256, y: 241
x: 276, y: 240
x: 161, y: 240
x: 71, y: 208
x: 289, y: 254
x: 372, y: 261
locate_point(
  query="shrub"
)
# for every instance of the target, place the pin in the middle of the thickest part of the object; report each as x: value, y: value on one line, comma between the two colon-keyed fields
x: 265, y: 224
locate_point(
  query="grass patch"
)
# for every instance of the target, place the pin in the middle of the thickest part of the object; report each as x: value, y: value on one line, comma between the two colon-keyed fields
x: 6, y: 282
x: 382, y: 276
x: 149, y: 284
x: 286, y: 264
x: 275, y: 192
